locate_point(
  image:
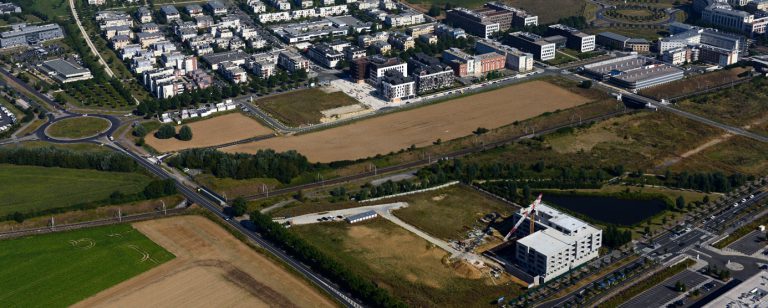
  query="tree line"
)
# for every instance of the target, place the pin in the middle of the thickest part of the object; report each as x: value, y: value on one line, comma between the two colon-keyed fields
x: 267, y: 163
x: 55, y: 157
x: 322, y: 263
x: 707, y: 182
x: 154, y: 189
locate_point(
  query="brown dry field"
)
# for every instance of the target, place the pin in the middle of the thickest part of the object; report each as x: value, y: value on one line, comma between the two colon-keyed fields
x: 214, y: 131
x: 211, y: 269
x: 422, y: 126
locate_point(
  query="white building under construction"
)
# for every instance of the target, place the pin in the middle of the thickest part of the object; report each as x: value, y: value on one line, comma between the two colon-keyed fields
x: 559, y: 243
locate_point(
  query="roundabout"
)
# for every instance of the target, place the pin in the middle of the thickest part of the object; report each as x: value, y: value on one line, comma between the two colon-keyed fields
x: 76, y: 128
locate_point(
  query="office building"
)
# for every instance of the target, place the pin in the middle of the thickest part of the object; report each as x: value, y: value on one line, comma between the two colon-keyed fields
x: 532, y: 43
x: 575, y: 39
x: 559, y: 243
x: 24, y: 35
x: 325, y: 55
x: 515, y: 59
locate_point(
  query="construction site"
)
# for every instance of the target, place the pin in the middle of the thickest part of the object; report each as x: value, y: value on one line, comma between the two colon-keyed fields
x: 543, y: 243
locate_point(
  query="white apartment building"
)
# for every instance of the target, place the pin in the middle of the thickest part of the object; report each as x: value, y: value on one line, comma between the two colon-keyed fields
x: 562, y: 243
x: 405, y: 19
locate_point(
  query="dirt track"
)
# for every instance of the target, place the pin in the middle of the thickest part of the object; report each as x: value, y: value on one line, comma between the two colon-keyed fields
x: 214, y: 131
x: 422, y: 126
x: 212, y: 269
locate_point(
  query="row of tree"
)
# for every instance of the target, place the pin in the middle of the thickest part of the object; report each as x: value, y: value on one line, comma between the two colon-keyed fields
x: 707, y: 182
x: 55, y: 157
x: 320, y: 262
x: 154, y: 189
x: 282, y: 166
x: 614, y: 238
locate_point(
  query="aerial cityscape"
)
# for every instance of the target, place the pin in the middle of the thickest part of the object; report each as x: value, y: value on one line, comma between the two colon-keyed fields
x: 384, y: 153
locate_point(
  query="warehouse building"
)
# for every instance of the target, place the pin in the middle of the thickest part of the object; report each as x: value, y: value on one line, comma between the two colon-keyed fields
x: 633, y: 72
x: 558, y: 244
x: 65, y: 71
x: 361, y: 217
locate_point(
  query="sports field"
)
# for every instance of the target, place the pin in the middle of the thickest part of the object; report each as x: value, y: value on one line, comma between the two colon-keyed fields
x: 28, y: 188
x: 404, y: 263
x: 423, y: 126
x: 77, y: 128
x: 60, y: 269
x: 212, y: 269
x: 214, y: 131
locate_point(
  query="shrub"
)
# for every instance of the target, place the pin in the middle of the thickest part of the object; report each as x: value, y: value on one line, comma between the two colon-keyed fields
x: 165, y: 131
x: 185, y: 133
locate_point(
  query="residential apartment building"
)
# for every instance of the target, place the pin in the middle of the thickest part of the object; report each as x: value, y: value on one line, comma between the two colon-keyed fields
x: 325, y: 55
x: 430, y: 75
x: 404, y: 19
x: 377, y: 66
x: 395, y: 87
x: 292, y: 61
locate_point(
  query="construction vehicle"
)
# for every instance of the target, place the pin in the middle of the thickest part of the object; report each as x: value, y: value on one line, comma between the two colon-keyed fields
x: 530, y: 212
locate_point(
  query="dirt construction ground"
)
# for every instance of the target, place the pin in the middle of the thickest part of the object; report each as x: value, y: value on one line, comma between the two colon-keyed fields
x: 422, y: 126
x: 214, y: 131
x: 212, y: 269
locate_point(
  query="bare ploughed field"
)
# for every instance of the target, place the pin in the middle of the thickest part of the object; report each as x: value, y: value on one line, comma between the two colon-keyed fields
x: 211, y: 269
x: 214, y: 131
x: 422, y: 126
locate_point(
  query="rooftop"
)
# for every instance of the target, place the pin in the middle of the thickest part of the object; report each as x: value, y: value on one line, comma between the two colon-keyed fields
x: 65, y: 68
x: 753, y: 292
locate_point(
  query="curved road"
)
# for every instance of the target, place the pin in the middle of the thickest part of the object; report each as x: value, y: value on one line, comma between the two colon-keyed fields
x: 42, y: 135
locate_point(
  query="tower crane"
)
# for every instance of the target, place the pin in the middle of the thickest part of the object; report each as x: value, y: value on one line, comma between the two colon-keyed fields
x: 529, y: 212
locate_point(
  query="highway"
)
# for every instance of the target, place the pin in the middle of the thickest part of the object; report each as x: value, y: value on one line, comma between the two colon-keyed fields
x: 195, y: 197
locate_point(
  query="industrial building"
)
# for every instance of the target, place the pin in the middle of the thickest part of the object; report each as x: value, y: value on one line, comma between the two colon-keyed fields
x: 532, y: 43
x: 65, y: 71
x: 576, y: 40
x: 24, y: 35
x: 633, y: 72
x: 559, y: 243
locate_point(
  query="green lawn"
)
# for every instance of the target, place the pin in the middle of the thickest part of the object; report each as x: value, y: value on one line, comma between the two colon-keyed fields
x: 447, y: 213
x: 52, y: 8
x: 27, y: 188
x: 304, y: 106
x: 60, y: 269
x: 77, y: 128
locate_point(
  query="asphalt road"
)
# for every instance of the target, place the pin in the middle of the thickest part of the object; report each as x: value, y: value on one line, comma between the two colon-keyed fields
x: 750, y: 243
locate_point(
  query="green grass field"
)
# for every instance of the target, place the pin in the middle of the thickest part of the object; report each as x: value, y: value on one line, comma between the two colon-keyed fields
x: 60, y: 269
x: 27, y: 188
x: 79, y: 127
x: 447, y: 213
x: 304, y: 106
x: 403, y: 263
x: 52, y: 8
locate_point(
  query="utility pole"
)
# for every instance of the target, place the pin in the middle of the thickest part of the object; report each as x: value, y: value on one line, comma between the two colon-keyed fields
x: 165, y: 212
x: 119, y: 215
x: 53, y: 222
x: 265, y: 189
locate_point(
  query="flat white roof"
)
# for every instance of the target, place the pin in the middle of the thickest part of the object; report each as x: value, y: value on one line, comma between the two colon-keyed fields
x: 753, y: 292
x: 544, y: 243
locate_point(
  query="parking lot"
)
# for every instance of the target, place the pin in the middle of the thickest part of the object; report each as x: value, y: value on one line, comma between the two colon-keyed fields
x: 750, y: 243
x: 664, y: 292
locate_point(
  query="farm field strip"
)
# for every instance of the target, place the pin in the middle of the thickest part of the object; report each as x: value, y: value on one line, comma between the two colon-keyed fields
x: 214, y: 131
x: 423, y: 126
